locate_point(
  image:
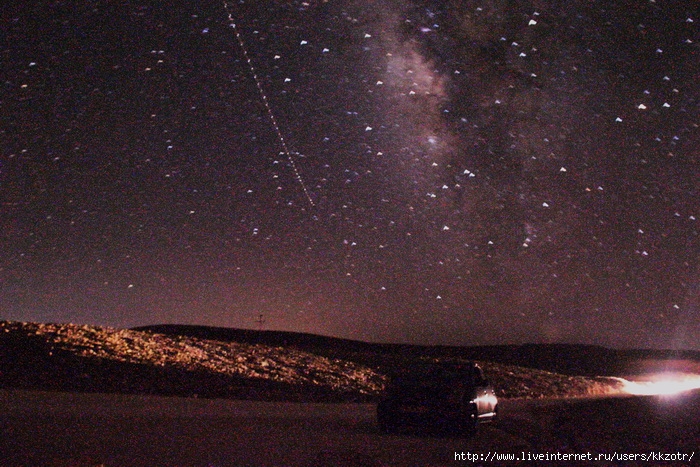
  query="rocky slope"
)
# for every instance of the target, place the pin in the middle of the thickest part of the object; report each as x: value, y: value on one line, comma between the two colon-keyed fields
x: 71, y: 357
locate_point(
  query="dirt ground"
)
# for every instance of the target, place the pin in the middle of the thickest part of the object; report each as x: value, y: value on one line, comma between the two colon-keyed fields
x: 70, y: 429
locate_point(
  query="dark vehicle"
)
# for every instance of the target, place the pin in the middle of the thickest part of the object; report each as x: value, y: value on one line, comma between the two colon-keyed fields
x: 453, y: 396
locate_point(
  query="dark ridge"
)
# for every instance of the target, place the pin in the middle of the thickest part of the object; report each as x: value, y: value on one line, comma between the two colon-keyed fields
x: 267, y: 337
x: 568, y: 359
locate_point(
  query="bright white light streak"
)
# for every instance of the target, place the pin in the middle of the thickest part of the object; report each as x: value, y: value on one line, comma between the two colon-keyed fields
x: 661, y: 384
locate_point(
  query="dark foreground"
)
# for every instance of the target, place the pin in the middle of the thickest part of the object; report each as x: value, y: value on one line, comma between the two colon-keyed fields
x: 67, y: 429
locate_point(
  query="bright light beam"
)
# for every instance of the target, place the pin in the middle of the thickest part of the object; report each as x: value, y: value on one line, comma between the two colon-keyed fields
x: 661, y: 384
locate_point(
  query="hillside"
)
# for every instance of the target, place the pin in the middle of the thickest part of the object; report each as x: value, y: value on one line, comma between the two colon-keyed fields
x: 98, y: 359
x: 567, y: 359
x: 243, y: 364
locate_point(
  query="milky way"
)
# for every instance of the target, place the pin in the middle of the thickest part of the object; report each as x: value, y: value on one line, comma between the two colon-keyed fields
x: 477, y: 171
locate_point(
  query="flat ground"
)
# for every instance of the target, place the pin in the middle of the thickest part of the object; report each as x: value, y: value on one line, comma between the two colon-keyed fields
x: 70, y: 429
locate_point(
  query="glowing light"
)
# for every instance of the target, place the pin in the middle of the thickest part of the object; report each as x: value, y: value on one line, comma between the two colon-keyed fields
x: 661, y: 384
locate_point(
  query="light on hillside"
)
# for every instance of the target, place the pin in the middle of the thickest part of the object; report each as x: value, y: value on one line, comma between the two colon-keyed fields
x: 661, y: 384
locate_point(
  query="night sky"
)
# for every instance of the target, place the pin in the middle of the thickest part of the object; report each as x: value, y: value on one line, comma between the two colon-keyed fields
x: 455, y: 172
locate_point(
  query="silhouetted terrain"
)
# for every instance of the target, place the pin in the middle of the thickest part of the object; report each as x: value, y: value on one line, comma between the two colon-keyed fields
x: 269, y: 365
x: 568, y: 359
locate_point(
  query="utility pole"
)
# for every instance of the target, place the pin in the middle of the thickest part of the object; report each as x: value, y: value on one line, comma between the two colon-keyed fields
x: 261, y: 321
